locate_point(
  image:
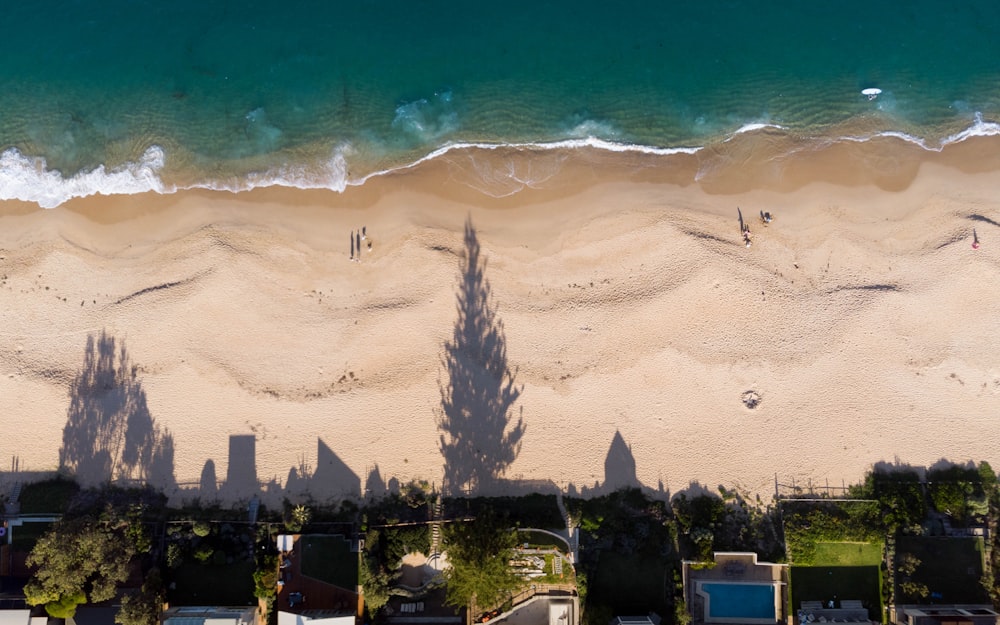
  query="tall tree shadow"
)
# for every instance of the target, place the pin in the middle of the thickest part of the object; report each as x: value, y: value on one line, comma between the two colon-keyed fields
x: 478, y: 439
x: 110, y: 434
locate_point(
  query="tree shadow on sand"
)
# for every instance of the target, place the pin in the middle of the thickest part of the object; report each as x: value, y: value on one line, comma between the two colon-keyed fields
x: 110, y: 434
x: 478, y: 439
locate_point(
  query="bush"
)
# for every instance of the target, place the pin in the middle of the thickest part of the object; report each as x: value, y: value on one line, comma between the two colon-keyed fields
x: 203, y: 553
x: 265, y: 578
x: 174, y: 556
x: 202, y: 529
x: 66, y: 606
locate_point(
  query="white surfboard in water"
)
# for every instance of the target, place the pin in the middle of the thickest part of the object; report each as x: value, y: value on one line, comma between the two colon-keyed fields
x: 871, y: 92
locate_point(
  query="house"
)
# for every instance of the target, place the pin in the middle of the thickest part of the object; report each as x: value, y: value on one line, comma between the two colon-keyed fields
x: 315, y: 617
x: 541, y: 610
x: 946, y: 615
x: 209, y: 615
x: 651, y: 619
x: 735, y: 588
x: 15, y: 617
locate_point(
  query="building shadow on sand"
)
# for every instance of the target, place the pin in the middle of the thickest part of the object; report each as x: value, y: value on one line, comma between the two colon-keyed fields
x: 479, y: 437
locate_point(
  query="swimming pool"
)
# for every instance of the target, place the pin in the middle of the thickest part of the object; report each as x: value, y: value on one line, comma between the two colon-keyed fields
x: 743, y: 602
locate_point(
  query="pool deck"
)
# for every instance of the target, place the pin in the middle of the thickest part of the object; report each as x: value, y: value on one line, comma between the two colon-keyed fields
x: 739, y: 568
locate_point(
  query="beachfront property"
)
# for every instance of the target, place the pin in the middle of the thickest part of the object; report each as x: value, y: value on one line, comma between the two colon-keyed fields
x: 315, y: 617
x: 543, y: 609
x: 649, y: 619
x: 317, y: 579
x: 937, y: 581
x: 20, y: 616
x: 210, y: 615
x: 736, y: 588
x: 946, y: 615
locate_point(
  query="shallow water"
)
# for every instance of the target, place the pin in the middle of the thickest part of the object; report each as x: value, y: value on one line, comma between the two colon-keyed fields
x: 235, y: 95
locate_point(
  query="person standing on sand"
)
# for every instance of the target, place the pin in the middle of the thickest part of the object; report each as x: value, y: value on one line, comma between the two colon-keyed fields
x: 352, y: 245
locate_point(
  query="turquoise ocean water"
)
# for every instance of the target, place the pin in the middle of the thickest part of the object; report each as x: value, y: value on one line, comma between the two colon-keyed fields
x: 122, y: 96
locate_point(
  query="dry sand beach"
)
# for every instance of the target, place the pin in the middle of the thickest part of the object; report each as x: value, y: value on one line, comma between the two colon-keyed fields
x: 861, y: 316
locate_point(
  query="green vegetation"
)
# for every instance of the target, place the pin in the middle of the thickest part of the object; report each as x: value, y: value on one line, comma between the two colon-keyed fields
x: 900, y: 498
x: 631, y: 545
x: 375, y: 580
x: 479, y: 552
x: 939, y: 570
x: 48, y: 497
x: 630, y: 583
x: 218, y: 564
x: 809, y: 524
x: 848, y: 554
x: 78, y: 560
x: 534, y: 510
x: 329, y: 559
x: 296, y: 517
x: 826, y: 583
x: 214, y: 584
x: 265, y: 582
x: 143, y: 608
x: 958, y: 492
x: 382, y: 559
x: 24, y: 536
x: 628, y: 555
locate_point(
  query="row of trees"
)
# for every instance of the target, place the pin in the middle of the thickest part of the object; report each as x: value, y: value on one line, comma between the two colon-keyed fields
x: 86, y: 557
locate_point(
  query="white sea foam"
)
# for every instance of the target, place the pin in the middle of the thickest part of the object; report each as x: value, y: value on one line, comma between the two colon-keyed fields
x: 330, y: 174
x: 745, y: 128
x: 28, y: 179
x: 979, y: 128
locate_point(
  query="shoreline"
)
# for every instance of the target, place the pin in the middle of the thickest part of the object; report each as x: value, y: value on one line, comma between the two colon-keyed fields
x: 629, y: 306
x: 764, y: 158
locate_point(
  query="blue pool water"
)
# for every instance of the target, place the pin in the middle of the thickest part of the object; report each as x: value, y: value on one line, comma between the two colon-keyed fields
x: 740, y: 600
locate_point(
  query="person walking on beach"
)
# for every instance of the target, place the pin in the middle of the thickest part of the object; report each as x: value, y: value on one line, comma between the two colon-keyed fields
x: 352, y: 245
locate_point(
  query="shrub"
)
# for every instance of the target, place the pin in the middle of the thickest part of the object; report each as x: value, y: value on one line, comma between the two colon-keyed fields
x: 202, y: 529
x: 265, y: 579
x: 203, y: 553
x: 174, y: 556
x: 66, y: 606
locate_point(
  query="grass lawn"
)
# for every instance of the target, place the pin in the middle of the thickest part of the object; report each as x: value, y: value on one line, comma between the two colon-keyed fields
x: 950, y: 568
x: 848, y: 554
x: 329, y: 559
x: 833, y: 583
x: 631, y: 584
x: 213, y: 584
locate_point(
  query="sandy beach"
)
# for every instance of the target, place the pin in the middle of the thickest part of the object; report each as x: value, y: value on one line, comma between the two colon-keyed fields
x: 861, y: 317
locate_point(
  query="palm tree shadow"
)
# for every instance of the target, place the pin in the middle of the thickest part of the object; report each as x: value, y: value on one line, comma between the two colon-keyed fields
x: 110, y: 434
x: 478, y: 439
